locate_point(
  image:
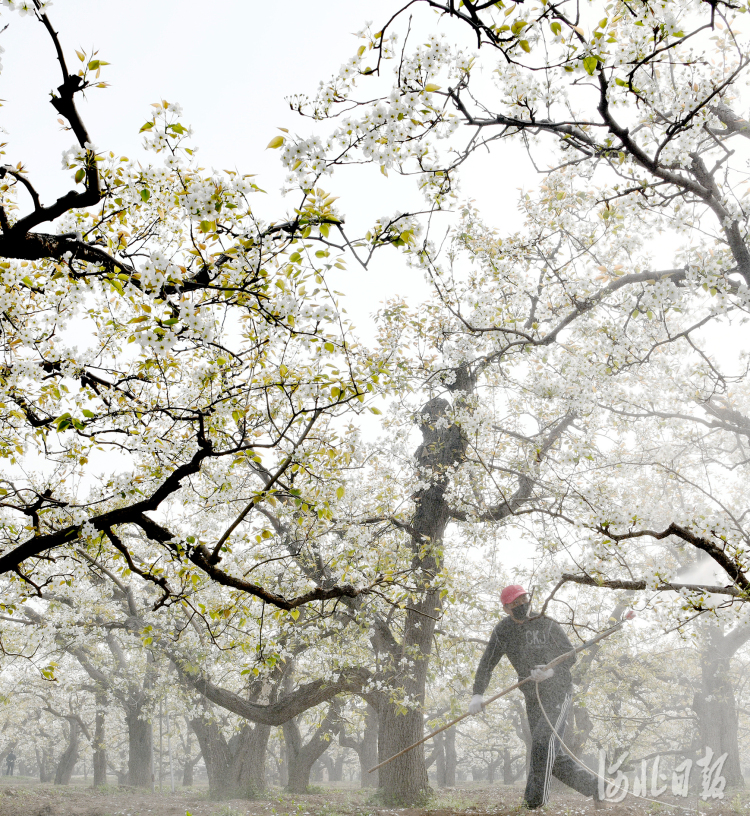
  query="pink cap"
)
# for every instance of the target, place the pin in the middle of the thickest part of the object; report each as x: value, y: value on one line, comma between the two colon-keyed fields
x: 510, y: 593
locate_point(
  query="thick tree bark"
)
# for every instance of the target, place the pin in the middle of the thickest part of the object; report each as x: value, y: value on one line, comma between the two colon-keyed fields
x: 140, y: 746
x: 187, y: 774
x: 70, y: 755
x: 132, y: 697
x: 235, y: 767
x: 189, y: 764
x: 188, y: 769
x: 300, y: 758
x: 334, y: 767
x: 715, y: 704
x: 368, y: 753
x: 507, y: 767
x: 42, y: 760
x: 492, y: 766
x: 404, y: 781
x: 100, y: 752
x: 275, y: 712
x: 450, y: 758
x: 439, y: 740
x: 283, y: 766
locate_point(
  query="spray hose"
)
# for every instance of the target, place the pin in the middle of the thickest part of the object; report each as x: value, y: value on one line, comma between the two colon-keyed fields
x: 581, y: 764
x: 559, y: 659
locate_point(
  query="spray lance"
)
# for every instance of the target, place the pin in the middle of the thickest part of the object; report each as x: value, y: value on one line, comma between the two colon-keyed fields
x: 628, y: 616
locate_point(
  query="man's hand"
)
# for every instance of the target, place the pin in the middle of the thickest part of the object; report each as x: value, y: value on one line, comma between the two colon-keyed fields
x: 476, y: 704
x: 539, y: 673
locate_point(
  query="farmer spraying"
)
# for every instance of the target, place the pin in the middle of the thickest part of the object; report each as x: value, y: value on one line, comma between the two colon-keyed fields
x: 530, y: 643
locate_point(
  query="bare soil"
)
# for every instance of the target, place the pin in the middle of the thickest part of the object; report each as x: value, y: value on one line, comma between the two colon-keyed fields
x: 24, y: 797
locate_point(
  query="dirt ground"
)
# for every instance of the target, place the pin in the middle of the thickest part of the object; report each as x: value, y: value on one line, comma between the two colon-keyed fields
x: 24, y: 797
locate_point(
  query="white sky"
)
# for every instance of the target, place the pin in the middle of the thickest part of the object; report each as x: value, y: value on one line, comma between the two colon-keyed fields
x: 231, y: 66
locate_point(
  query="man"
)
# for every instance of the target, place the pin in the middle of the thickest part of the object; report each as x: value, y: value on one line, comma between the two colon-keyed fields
x: 530, y: 643
x: 10, y: 762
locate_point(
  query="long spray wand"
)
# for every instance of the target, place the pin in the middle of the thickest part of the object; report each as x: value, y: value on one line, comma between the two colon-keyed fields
x: 628, y: 616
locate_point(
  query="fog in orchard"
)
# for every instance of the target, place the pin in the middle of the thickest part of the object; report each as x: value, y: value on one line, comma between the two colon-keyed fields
x: 319, y: 328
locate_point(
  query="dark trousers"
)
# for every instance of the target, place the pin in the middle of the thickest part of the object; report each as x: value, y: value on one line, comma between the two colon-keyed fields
x: 547, y: 757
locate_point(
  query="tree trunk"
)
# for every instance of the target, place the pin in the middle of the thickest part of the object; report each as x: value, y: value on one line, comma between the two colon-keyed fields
x: 298, y: 773
x: 338, y: 769
x: 404, y: 781
x: 507, y: 769
x: 368, y: 753
x: 439, y: 741
x: 716, y: 708
x: 70, y: 755
x: 283, y: 765
x: 43, y: 762
x: 187, y: 774
x: 366, y: 748
x: 450, y: 758
x: 236, y: 768
x: 584, y: 725
x: 100, y: 752
x: 140, y: 746
x: 189, y: 764
x: 188, y: 769
x: 300, y: 758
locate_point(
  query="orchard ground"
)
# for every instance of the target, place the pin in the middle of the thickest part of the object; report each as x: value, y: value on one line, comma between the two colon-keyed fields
x: 25, y: 797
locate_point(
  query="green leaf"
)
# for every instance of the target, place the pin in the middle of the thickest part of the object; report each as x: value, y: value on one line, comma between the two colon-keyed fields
x: 80, y: 173
x: 328, y: 346
x: 277, y: 141
x: 147, y: 126
x: 340, y: 492
x: 589, y: 64
x: 525, y: 45
x: 431, y: 88
x: 145, y: 194
x: 63, y: 422
x: 556, y: 27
